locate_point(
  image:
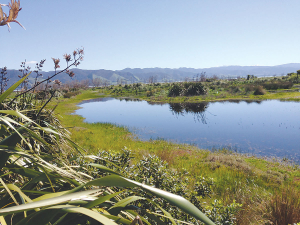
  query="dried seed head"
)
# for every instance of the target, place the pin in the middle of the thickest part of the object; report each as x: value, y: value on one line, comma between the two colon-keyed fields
x: 67, y: 57
x: 70, y: 73
x: 56, y: 63
x: 14, y: 9
x: 57, y: 82
x: 74, y: 53
x: 81, y: 51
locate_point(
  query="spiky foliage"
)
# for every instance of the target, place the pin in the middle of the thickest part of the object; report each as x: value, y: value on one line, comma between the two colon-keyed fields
x: 42, y: 171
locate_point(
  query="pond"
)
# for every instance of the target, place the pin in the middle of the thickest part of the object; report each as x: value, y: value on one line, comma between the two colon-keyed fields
x: 266, y: 128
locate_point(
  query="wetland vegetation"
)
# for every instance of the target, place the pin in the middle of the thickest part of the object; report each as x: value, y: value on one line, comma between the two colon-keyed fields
x: 229, y: 188
x: 250, y: 189
x: 57, y: 169
x: 213, y: 89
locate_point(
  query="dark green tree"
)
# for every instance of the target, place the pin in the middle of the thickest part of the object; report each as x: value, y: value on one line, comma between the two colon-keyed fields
x: 298, y: 72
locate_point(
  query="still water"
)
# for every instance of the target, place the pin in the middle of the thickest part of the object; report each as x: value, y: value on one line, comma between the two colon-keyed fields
x: 267, y: 128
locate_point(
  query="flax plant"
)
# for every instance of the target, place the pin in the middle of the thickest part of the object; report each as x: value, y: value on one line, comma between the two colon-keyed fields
x: 46, y: 178
x: 38, y: 173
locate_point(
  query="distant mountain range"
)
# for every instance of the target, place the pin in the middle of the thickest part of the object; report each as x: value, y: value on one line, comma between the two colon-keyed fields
x: 135, y: 75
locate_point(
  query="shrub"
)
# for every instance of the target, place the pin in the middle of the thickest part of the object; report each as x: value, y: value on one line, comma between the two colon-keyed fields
x: 153, y: 171
x: 193, y: 88
x: 234, y: 89
x: 149, y: 93
x: 278, y: 85
x: 175, y: 90
x: 259, y: 90
x: 71, y: 94
x: 249, y: 87
x: 221, y: 214
x: 187, y: 89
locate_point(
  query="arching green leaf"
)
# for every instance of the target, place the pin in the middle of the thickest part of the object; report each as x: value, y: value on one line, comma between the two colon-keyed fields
x: 104, y: 168
x: 12, y: 88
x: 115, y: 210
x: 46, y: 202
x: 101, y: 200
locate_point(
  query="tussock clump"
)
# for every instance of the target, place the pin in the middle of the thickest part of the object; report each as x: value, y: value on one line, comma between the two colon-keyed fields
x: 284, y: 207
x: 259, y: 90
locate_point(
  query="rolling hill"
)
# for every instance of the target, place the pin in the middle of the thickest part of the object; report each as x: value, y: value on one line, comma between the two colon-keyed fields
x: 134, y: 75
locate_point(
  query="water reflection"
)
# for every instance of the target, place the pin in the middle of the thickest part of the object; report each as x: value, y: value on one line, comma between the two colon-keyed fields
x: 196, y: 109
x: 267, y: 128
x: 95, y: 100
x: 130, y: 99
x: 247, y: 101
x: 180, y: 109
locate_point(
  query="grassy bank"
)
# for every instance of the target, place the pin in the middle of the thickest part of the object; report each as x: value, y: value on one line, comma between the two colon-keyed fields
x: 254, y: 182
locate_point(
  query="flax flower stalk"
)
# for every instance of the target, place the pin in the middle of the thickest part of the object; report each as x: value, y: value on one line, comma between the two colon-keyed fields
x: 14, y: 9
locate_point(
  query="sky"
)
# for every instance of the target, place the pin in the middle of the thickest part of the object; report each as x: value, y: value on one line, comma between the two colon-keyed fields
x: 118, y: 34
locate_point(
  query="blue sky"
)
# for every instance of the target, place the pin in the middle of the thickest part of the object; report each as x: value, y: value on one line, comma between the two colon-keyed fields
x: 117, y: 34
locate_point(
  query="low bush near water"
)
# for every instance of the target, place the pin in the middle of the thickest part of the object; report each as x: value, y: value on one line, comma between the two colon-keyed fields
x: 259, y: 90
x: 70, y: 94
x: 187, y: 89
x: 274, y: 85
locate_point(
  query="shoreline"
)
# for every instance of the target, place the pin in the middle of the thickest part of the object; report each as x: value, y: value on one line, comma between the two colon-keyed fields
x: 92, y: 95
